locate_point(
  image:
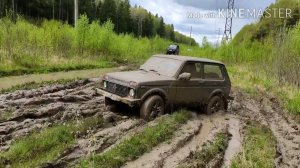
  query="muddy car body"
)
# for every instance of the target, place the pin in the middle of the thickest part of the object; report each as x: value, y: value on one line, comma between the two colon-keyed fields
x: 165, y: 81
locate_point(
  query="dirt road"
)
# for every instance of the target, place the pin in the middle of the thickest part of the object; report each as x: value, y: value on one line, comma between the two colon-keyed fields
x: 35, y: 110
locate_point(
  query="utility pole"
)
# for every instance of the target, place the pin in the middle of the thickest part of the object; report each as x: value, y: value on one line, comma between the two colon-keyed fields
x: 228, y: 25
x: 75, y: 12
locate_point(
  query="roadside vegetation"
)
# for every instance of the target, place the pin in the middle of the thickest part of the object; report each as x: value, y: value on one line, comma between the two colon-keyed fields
x: 211, y: 150
x: 253, y: 82
x: 35, y: 85
x: 54, y: 46
x: 138, y: 144
x: 259, y: 148
x: 47, y: 145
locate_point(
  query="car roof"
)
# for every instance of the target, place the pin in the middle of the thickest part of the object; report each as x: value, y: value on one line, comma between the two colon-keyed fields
x: 188, y: 58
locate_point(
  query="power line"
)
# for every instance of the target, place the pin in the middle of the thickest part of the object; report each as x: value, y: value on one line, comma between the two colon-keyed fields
x: 228, y: 25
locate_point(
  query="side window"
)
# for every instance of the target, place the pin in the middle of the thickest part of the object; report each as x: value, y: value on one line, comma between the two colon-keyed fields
x: 213, y: 72
x: 193, y: 68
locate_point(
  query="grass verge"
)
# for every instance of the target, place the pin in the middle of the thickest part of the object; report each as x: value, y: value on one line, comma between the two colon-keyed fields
x: 259, y: 149
x: 253, y: 82
x: 46, y: 68
x: 209, y: 152
x: 47, y: 145
x: 35, y: 85
x: 138, y: 144
x: 293, y: 105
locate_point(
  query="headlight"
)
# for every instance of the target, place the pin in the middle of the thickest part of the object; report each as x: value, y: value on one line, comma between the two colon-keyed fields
x: 131, y: 93
x: 104, y: 84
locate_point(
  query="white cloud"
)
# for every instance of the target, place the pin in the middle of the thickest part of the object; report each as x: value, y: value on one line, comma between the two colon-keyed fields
x: 176, y: 12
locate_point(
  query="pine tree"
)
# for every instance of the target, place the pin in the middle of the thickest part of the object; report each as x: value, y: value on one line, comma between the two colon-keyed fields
x: 108, y: 11
x: 172, y: 35
x: 161, y: 29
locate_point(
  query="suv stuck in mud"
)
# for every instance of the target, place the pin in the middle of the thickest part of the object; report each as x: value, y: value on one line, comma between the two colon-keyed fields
x: 164, y: 82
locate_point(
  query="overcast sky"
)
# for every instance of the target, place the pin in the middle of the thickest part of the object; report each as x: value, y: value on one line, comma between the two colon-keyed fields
x: 177, y: 11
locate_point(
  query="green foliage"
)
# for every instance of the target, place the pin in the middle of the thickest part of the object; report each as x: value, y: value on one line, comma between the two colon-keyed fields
x: 138, y: 144
x: 293, y: 105
x: 126, y: 19
x: 259, y: 148
x: 47, y: 145
x: 54, y: 46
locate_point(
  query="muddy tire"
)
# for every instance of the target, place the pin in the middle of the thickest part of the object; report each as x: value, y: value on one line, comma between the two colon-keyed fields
x: 152, y: 107
x: 215, y: 104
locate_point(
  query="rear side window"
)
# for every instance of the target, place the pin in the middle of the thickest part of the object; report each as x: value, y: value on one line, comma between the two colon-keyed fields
x: 213, y: 72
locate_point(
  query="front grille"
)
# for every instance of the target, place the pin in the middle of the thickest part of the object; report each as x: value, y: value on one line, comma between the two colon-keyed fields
x: 120, y: 90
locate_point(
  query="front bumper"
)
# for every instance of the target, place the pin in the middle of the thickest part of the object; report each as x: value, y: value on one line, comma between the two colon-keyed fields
x: 129, y: 101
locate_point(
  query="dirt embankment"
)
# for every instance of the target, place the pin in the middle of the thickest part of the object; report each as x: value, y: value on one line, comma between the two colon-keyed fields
x: 38, y: 109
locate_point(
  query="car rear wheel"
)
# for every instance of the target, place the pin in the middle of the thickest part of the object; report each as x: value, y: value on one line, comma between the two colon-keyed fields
x: 215, y: 104
x: 153, y: 107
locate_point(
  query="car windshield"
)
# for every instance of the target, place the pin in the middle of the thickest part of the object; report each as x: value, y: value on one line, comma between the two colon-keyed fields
x: 173, y: 47
x: 162, y: 66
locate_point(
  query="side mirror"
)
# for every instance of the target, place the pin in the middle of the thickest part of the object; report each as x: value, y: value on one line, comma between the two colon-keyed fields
x: 185, y: 76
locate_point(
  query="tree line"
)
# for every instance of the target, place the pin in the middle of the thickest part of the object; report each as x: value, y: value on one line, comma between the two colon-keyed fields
x: 127, y: 19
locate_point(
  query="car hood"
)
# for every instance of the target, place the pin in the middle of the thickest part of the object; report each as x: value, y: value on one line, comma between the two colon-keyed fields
x: 139, y: 77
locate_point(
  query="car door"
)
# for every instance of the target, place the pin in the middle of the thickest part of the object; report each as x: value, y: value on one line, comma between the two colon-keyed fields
x: 189, y: 92
x: 213, y: 78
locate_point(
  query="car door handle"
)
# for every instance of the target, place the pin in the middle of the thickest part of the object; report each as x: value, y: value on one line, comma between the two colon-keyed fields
x: 201, y: 81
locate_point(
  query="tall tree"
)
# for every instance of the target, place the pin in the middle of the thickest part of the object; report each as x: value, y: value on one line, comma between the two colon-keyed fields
x: 108, y: 11
x: 172, y: 35
x: 161, y: 29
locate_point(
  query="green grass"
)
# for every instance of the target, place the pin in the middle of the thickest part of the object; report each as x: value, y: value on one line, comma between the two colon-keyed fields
x: 47, y: 145
x: 259, y: 149
x: 47, y: 67
x: 5, y: 115
x: 35, y: 85
x: 138, y: 144
x: 293, y: 105
x: 202, y: 157
x: 252, y: 83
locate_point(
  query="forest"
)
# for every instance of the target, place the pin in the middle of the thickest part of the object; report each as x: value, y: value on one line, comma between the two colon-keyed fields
x: 130, y: 20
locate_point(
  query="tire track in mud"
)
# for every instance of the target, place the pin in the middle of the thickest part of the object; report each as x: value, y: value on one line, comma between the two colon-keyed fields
x: 95, y: 143
x: 37, y: 109
x: 235, y: 142
x: 187, y: 139
x: 268, y: 111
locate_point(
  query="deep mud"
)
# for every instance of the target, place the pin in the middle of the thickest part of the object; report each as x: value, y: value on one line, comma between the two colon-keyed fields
x: 34, y: 110
x: 268, y: 111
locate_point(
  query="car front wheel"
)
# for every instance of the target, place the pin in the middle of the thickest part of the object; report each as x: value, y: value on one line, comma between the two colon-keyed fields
x: 215, y: 104
x: 152, y: 107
